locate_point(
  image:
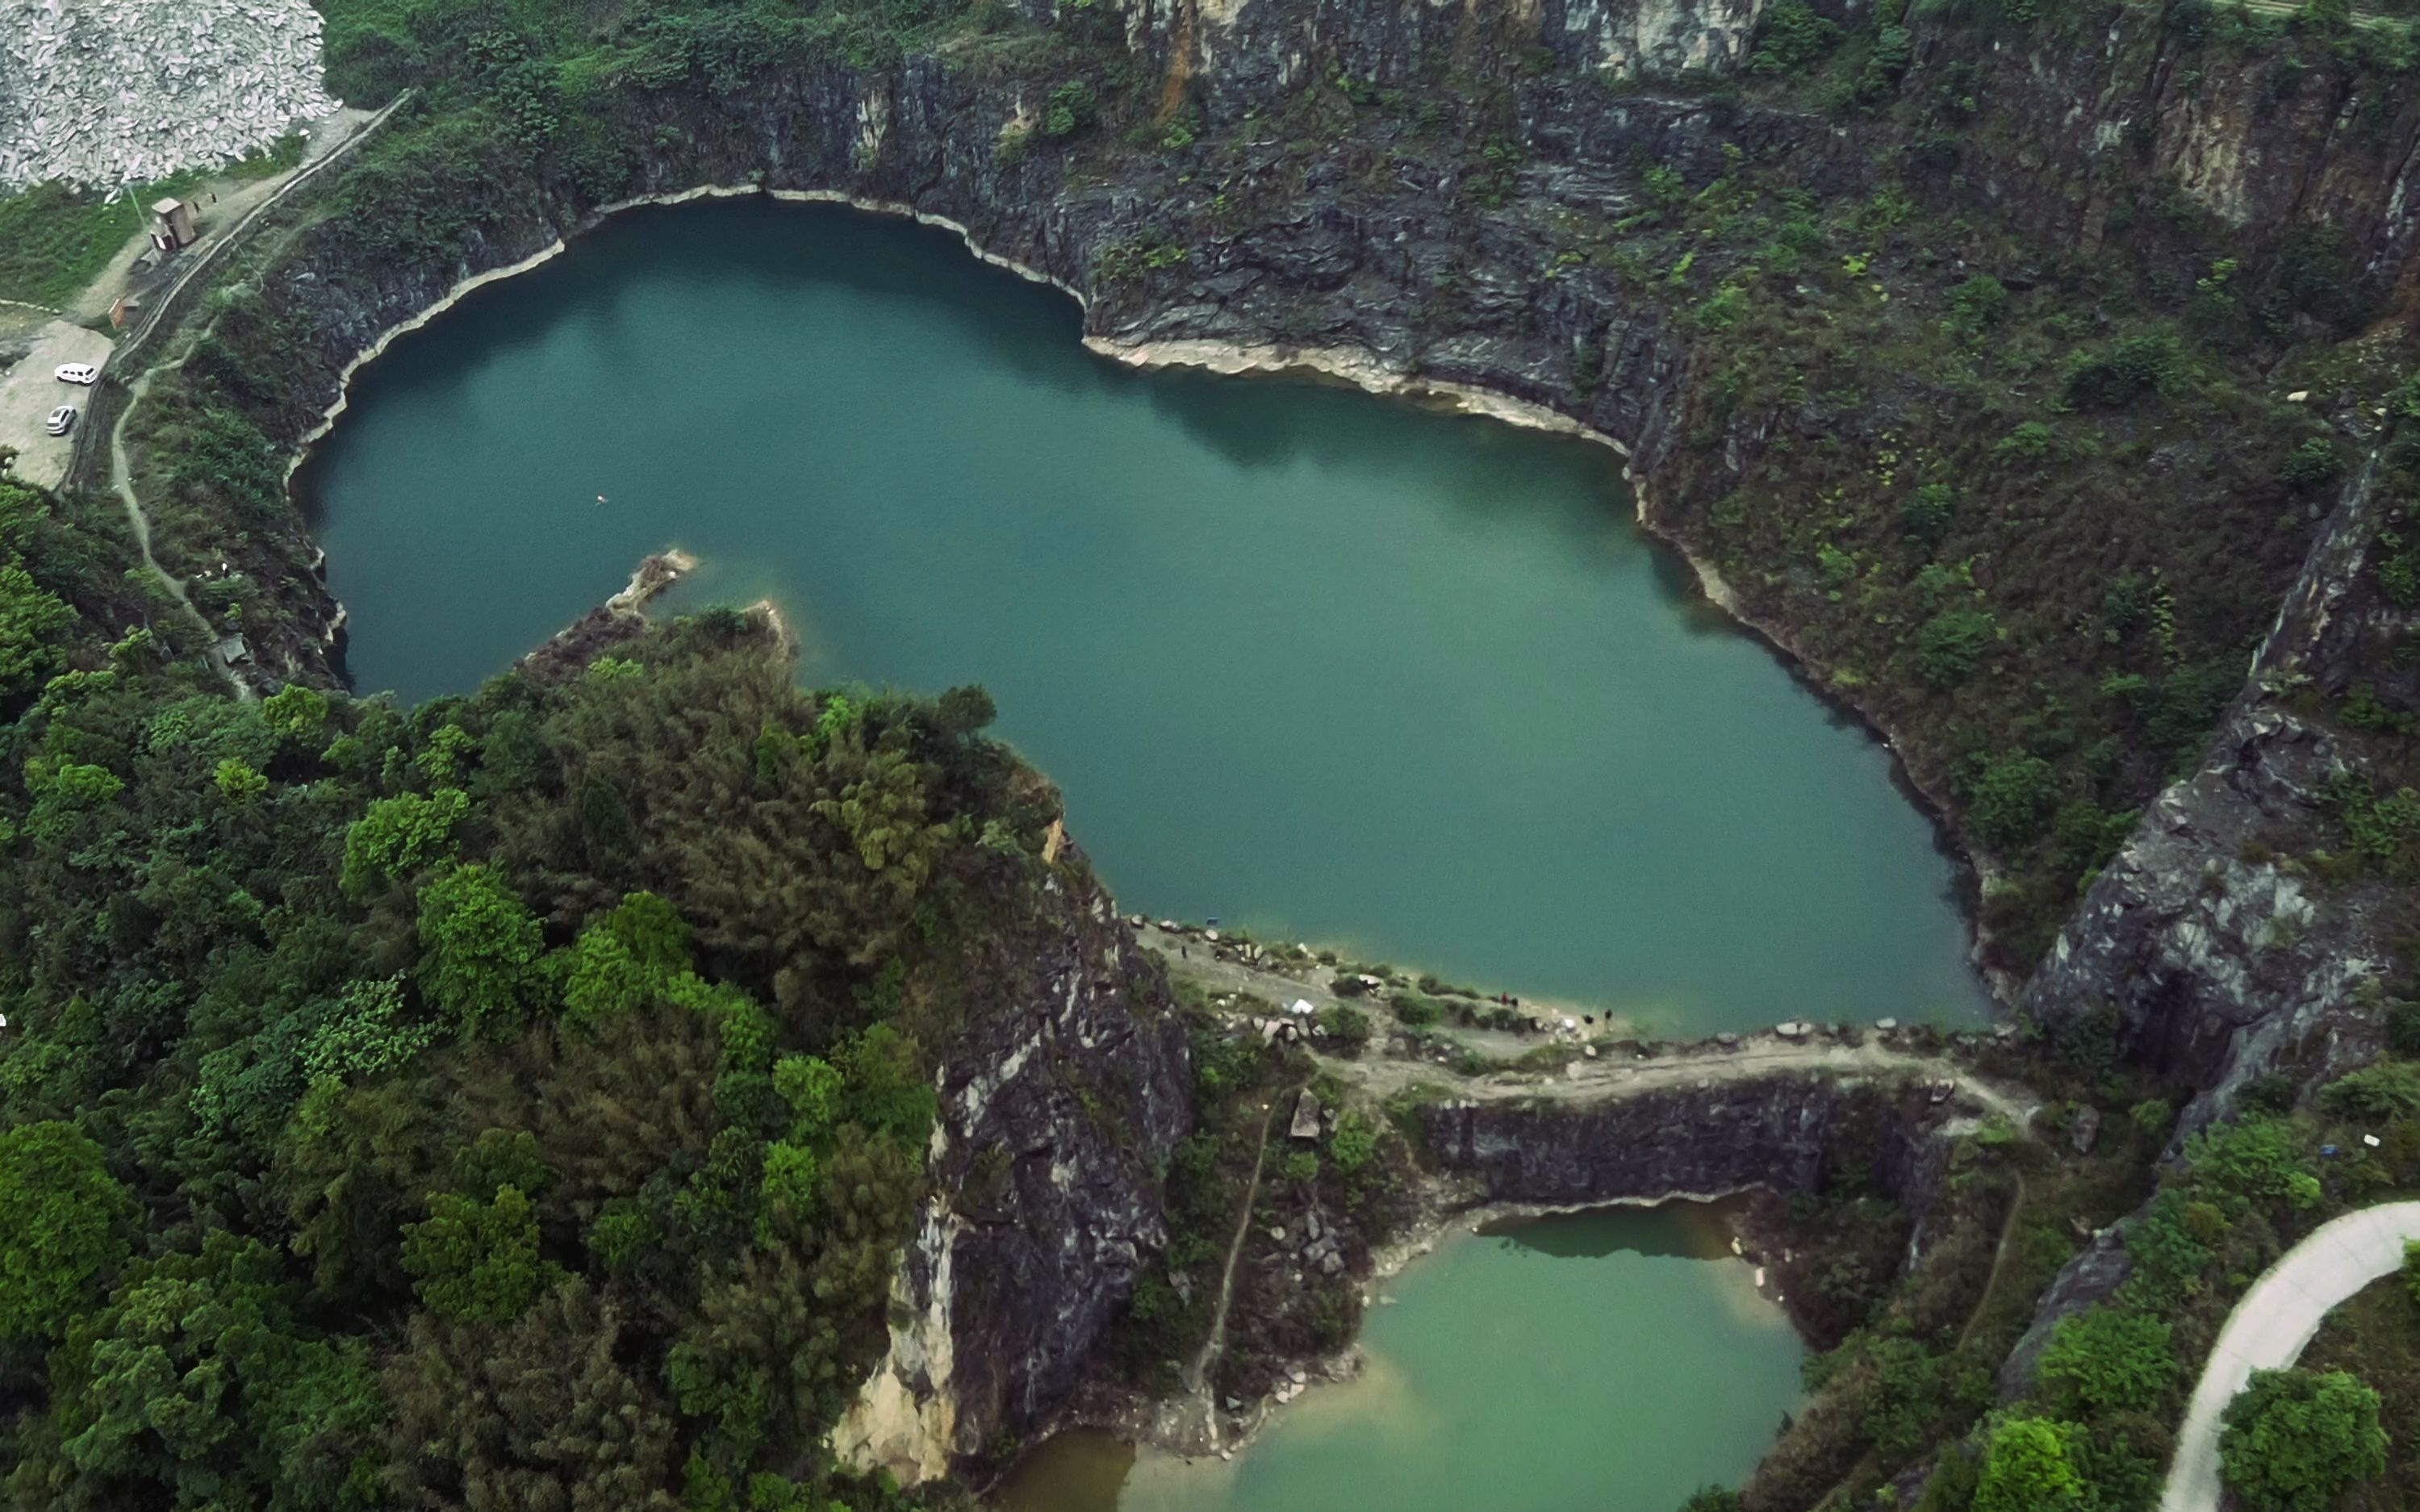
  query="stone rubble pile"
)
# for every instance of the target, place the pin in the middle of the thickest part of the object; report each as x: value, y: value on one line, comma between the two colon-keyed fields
x: 107, y: 93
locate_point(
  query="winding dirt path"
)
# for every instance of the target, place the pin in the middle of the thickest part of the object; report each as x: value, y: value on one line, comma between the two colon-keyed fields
x: 1607, y: 1075
x: 121, y: 478
x: 1197, y: 1375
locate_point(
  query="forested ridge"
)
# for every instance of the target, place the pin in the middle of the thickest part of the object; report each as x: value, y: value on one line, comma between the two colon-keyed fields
x: 517, y: 1102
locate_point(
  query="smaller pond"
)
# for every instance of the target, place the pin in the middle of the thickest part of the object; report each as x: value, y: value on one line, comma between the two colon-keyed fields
x: 1612, y: 1361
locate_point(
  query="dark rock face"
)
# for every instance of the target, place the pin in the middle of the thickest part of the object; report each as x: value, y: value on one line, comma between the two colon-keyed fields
x: 2196, y: 952
x: 1059, y: 1108
x: 2086, y: 1279
x: 1788, y: 1133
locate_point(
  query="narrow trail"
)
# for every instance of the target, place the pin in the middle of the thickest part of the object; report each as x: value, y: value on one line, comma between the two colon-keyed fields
x: 121, y: 478
x: 1197, y: 1375
x: 1999, y: 1259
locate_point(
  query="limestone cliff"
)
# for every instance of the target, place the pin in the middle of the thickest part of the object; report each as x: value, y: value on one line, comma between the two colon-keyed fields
x: 1057, y: 1113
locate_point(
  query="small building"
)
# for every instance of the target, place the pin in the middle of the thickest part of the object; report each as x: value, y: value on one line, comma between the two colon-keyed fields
x: 176, y: 227
x: 124, y: 311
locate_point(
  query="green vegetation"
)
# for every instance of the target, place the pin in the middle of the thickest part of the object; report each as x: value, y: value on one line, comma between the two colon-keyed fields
x: 2295, y: 1439
x: 2375, y: 1337
x: 54, y: 240
x: 529, y: 1093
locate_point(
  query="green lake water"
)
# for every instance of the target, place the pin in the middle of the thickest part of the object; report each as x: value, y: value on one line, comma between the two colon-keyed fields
x: 1601, y: 1362
x: 1327, y: 666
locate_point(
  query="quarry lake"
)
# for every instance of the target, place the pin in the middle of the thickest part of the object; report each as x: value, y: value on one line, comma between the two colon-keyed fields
x: 1611, y: 1362
x: 1327, y: 666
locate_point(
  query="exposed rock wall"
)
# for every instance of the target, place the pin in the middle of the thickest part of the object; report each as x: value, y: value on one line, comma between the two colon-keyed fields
x: 1058, y: 1112
x: 2199, y: 950
x: 1790, y: 1132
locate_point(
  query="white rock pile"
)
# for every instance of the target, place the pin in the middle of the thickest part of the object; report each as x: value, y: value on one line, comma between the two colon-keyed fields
x: 107, y: 93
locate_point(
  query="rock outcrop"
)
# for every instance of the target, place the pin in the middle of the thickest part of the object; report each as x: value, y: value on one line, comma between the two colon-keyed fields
x: 2204, y: 950
x: 1788, y: 1133
x: 1058, y: 1107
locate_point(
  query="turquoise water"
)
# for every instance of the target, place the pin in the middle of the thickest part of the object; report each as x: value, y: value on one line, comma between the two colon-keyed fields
x: 1601, y: 1362
x: 1328, y: 666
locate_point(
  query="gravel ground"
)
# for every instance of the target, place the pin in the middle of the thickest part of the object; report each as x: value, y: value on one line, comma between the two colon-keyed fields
x: 29, y: 393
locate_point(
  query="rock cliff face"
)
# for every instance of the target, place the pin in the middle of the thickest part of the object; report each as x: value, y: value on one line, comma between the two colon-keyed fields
x: 1058, y: 1112
x: 2202, y: 951
x: 1788, y: 1133
x: 1420, y: 263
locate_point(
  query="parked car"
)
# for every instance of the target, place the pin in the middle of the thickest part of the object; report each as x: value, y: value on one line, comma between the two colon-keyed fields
x: 78, y: 373
x: 61, y: 420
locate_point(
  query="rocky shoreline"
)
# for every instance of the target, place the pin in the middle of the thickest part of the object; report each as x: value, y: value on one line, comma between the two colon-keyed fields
x: 1359, y: 368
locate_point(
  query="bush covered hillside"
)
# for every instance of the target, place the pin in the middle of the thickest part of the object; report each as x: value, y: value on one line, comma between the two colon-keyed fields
x: 516, y: 1103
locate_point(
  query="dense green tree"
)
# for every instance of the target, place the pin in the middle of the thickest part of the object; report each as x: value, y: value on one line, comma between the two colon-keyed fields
x: 477, y: 1260
x: 814, y: 1089
x: 399, y: 835
x: 481, y: 951
x: 2029, y: 1466
x: 538, y: 1416
x: 2295, y: 1439
x: 198, y: 1387
x: 68, y: 1226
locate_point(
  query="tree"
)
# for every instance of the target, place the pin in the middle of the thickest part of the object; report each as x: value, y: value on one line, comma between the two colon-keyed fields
x: 238, y: 783
x: 478, y: 1261
x: 540, y: 1413
x: 481, y: 949
x: 814, y: 1088
x: 197, y: 1386
x: 2295, y: 1439
x: 887, y: 1089
x: 2105, y: 1359
x: 67, y: 1229
x: 296, y: 713
x: 31, y: 621
x: 2009, y: 798
x: 2376, y: 1093
x: 2030, y: 1467
x: 398, y: 836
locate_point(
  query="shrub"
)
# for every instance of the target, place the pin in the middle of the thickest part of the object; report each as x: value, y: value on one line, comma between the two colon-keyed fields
x: 2295, y: 1439
x: 1414, y: 1012
x: 1790, y: 39
x: 2008, y: 800
x: 2029, y: 442
x: 2403, y: 1028
x: 2124, y: 371
x: 2374, y: 1094
x: 1976, y: 304
x: 1924, y: 516
x: 1071, y: 108
x: 1950, y: 643
x: 1348, y: 1027
x: 2311, y: 465
x: 1354, y: 1142
x: 2107, y: 1360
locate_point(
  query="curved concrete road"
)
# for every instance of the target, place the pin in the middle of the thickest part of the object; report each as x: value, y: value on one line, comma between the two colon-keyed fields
x: 2274, y: 1323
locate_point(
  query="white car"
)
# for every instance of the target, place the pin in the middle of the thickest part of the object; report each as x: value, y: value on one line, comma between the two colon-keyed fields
x: 78, y: 373
x: 61, y: 420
